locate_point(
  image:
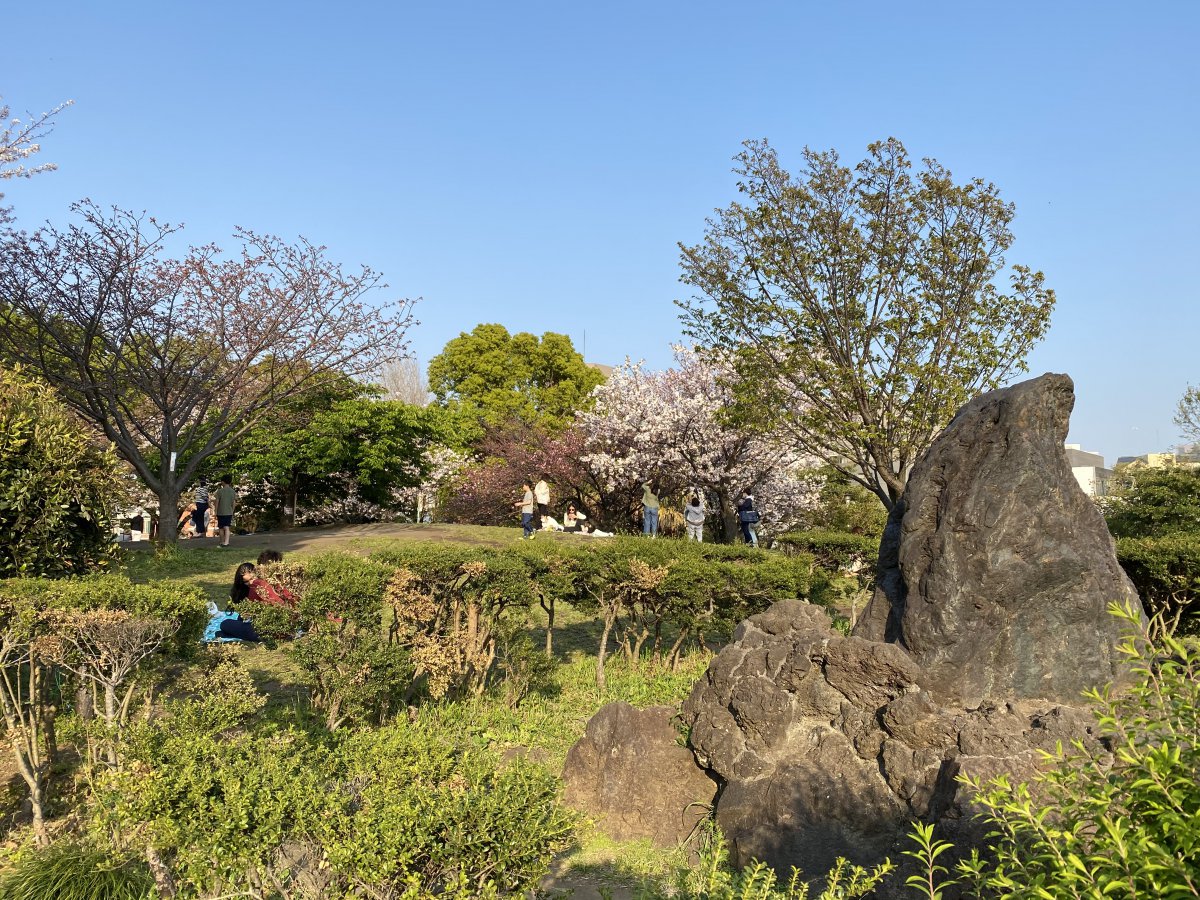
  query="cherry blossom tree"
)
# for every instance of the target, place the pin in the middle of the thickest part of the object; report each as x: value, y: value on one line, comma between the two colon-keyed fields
x: 483, y: 491
x: 21, y: 139
x: 668, y: 427
x: 175, y: 359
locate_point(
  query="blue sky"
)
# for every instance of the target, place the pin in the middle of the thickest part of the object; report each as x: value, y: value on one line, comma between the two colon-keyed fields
x: 535, y: 164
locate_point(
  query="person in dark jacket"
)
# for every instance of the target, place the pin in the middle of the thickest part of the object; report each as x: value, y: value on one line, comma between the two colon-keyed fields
x: 748, y: 517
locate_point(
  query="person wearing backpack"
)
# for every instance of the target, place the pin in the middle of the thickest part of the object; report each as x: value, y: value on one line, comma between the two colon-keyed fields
x: 748, y: 517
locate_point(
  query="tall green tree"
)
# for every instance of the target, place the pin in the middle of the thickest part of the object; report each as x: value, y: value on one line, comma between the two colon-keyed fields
x: 1187, y: 414
x: 58, y: 485
x: 500, y: 377
x: 861, y: 306
x: 1155, y: 503
x: 318, y: 442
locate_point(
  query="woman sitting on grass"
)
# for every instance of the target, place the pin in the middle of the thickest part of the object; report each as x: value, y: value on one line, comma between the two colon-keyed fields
x: 248, y: 587
x: 576, y: 522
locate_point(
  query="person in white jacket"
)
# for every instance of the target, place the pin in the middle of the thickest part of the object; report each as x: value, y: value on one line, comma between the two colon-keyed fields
x: 693, y: 517
x: 541, y: 494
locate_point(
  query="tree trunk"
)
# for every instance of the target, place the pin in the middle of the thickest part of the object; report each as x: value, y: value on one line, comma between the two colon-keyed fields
x: 37, y: 802
x: 110, y: 719
x: 731, y: 533
x: 294, y: 494
x: 610, y: 616
x: 168, y: 512
x: 162, y: 875
x: 549, y: 608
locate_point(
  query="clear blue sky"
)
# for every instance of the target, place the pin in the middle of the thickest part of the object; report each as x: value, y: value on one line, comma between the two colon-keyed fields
x: 535, y: 164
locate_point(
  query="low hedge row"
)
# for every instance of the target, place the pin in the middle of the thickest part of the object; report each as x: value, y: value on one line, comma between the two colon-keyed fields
x: 836, y: 550
x: 458, y: 611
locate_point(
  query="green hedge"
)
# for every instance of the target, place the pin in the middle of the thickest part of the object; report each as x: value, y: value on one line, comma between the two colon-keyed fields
x: 454, y: 609
x: 835, y: 549
x: 1166, y: 573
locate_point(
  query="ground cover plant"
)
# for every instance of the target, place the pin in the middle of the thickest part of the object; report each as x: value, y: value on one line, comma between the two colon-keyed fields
x: 310, y: 767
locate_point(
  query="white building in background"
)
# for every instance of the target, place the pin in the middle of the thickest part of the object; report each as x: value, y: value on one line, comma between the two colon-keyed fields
x: 1088, y: 469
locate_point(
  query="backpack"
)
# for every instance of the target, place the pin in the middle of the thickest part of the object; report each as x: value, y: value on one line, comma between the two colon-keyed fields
x: 748, y: 516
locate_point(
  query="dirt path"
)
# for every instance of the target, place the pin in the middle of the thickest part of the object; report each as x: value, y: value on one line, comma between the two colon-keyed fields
x: 309, y: 539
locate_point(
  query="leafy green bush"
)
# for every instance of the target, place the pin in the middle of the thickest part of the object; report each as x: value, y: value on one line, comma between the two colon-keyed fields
x: 102, y: 629
x: 1157, y: 502
x: 352, y: 674
x: 1166, y: 572
x: 57, y: 486
x: 1120, y: 822
x: 224, y: 801
x: 428, y: 813
x: 217, y: 807
x: 70, y: 871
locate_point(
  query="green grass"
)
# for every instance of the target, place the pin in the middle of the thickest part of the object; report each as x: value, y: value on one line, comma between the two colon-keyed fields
x: 209, y: 568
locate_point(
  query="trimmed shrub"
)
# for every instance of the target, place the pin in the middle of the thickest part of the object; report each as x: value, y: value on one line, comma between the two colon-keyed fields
x: 57, y: 486
x: 1166, y: 573
x: 836, y: 550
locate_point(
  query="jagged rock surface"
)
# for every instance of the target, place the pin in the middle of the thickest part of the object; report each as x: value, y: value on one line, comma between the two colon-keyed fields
x: 997, y: 571
x: 630, y: 771
x: 990, y: 620
x: 829, y: 746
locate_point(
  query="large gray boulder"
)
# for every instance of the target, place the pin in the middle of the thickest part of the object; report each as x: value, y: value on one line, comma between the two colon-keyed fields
x: 990, y: 621
x: 997, y: 571
x: 829, y: 746
x: 631, y: 772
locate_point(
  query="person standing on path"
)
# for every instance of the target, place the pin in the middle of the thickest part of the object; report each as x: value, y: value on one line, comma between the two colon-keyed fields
x: 693, y: 516
x: 226, y: 502
x: 650, y: 506
x: 526, y: 504
x: 541, y: 493
x: 201, y: 501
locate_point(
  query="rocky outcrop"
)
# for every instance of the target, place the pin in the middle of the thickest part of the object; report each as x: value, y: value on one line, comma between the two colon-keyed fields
x: 631, y: 772
x: 990, y: 620
x: 997, y: 571
x: 829, y: 746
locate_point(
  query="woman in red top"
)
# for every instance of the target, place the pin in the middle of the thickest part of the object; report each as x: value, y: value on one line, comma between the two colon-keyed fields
x: 248, y: 586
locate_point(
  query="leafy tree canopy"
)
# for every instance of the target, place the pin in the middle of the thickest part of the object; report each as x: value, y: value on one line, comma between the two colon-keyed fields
x: 847, y: 508
x: 1187, y: 415
x: 315, y: 443
x: 500, y: 377
x: 862, y: 305
x: 1156, y: 503
x: 58, y: 485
